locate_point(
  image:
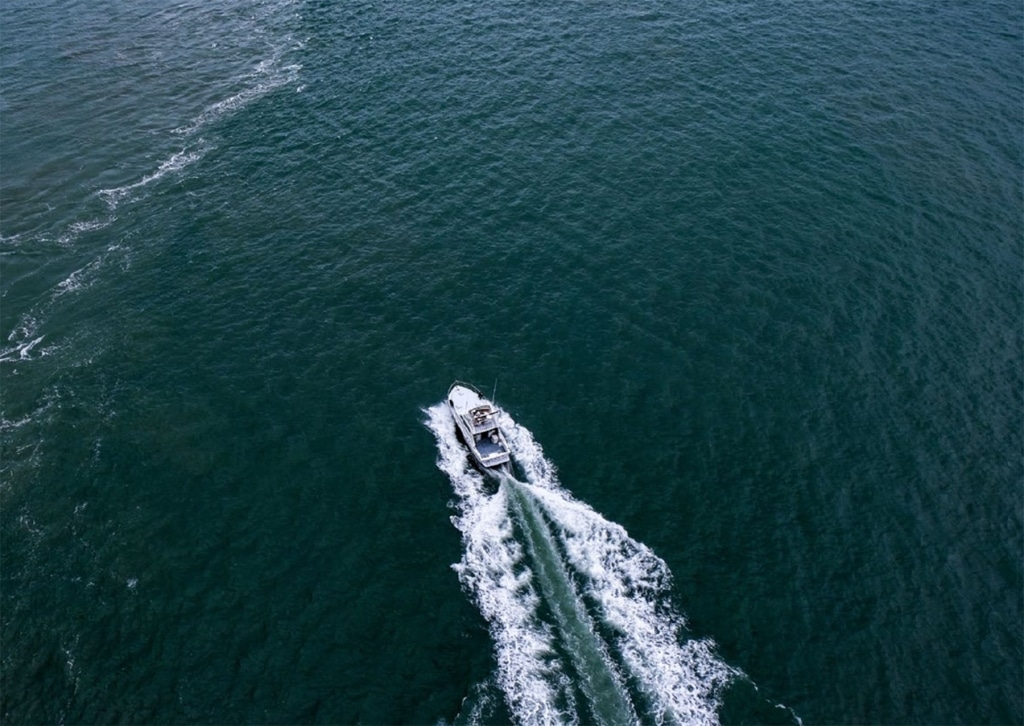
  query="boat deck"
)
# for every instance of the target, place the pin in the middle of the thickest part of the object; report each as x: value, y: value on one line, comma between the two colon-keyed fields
x: 487, y: 448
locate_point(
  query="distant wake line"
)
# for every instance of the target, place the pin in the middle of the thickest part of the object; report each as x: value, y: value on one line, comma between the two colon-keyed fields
x: 579, y: 612
x: 24, y: 339
x: 266, y: 77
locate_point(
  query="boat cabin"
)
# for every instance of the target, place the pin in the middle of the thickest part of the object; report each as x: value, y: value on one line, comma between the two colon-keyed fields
x: 478, y: 421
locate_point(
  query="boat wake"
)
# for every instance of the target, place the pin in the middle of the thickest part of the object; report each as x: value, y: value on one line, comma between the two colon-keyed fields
x: 580, y: 613
x: 189, y: 147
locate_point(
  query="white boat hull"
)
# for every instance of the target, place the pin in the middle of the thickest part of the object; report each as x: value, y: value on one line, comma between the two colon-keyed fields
x: 477, y: 420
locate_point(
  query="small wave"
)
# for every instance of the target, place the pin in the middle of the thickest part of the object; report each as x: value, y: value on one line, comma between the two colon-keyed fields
x: 23, y: 441
x: 25, y: 341
x: 24, y: 338
x: 30, y: 526
x: 42, y: 239
x: 477, y: 707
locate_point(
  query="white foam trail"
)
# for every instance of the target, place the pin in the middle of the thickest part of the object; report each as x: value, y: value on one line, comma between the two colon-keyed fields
x: 23, y: 339
x: 176, y: 162
x: 629, y: 587
x: 79, y: 279
x: 75, y: 229
x: 10, y: 425
x: 493, y: 571
x: 20, y: 351
x: 27, y: 335
x: 11, y: 240
x: 600, y: 680
x: 269, y: 77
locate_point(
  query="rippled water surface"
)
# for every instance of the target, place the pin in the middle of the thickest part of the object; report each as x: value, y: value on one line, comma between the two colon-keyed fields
x: 750, y: 273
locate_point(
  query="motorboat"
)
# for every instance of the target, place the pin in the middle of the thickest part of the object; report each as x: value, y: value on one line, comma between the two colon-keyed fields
x: 476, y: 419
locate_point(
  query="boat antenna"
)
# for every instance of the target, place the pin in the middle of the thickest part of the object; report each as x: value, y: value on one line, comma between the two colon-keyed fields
x: 494, y: 393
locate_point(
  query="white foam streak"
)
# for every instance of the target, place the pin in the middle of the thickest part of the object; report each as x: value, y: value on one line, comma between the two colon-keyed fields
x: 628, y: 586
x: 176, y: 162
x: 21, y: 351
x: 75, y: 229
x: 493, y: 571
x: 528, y: 454
x: 269, y: 77
x: 23, y: 338
x: 631, y: 586
x: 79, y: 279
x: 11, y: 240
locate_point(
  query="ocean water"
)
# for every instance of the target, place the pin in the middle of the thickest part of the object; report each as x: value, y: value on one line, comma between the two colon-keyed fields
x: 746, y: 279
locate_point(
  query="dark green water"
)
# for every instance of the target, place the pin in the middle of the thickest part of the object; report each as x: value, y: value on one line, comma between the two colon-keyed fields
x: 751, y: 274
